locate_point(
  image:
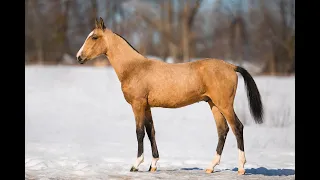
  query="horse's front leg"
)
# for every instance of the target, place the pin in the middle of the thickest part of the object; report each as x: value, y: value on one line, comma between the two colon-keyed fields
x: 151, y: 134
x: 139, y: 107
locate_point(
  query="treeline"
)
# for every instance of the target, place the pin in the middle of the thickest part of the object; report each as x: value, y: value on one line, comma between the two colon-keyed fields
x: 259, y: 31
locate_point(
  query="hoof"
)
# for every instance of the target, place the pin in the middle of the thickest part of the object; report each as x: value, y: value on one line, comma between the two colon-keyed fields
x: 241, y: 172
x: 133, y: 169
x: 209, y: 171
x: 152, y: 169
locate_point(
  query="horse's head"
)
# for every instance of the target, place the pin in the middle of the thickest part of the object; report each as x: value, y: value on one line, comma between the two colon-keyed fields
x: 95, y: 44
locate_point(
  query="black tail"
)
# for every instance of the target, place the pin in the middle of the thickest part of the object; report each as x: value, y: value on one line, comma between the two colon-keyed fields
x: 253, y: 95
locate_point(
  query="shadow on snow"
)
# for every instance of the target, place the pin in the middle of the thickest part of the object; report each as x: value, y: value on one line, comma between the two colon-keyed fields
x: 252, y: 171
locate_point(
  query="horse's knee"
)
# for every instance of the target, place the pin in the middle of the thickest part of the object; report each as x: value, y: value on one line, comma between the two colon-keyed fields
x: 140, y: 134
x: 238, y: 131
x: 226, y: 128
x: 223, y: 131
x: 237, y: 128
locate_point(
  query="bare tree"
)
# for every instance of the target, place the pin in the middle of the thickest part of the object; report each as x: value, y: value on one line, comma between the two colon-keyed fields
x: 166, y: 26
x: 281, y: 36
x: 37, y: 36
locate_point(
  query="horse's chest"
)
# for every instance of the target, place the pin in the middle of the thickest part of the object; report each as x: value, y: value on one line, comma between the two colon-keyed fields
x: 133, y: 92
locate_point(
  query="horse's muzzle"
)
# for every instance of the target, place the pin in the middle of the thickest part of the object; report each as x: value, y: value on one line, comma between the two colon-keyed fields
x: 80, y: 60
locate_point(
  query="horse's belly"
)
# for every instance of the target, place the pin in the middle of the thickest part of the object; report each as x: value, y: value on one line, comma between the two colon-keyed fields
x: 174, y: 98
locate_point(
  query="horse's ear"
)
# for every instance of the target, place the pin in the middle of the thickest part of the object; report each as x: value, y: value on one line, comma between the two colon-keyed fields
x: 97, y: 23
x: 102, y: 26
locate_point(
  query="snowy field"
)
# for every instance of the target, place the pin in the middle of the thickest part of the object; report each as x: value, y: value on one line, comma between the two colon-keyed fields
x: 78, y: 126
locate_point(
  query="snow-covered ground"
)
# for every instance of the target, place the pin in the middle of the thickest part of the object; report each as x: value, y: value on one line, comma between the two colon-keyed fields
x: 78, y: 126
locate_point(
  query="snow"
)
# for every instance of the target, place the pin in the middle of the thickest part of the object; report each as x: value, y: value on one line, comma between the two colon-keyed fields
x: 78, y: 126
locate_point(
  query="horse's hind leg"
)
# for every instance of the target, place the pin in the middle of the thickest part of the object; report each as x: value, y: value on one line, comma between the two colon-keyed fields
x: 237, y: 129
x: 223, y: 129
x: 151, y: 134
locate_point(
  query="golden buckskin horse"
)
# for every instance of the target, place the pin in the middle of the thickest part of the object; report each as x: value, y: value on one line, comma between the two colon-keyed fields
x: 148, y: 83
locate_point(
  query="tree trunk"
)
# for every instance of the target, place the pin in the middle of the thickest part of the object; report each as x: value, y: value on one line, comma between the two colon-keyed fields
x: 163, y: 42
x: 65, y: 28
x: 185, y: 33
x: 173, y: 50
x: 37, y: 31
x: 94, y: 12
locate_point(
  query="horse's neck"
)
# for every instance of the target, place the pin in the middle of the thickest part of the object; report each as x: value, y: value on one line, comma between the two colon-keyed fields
x: 123, y: 57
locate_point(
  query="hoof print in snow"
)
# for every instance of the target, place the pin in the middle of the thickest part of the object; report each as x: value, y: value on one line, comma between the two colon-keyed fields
x: 209, y: 171
x: 152, y: 169
x: 133, y: 169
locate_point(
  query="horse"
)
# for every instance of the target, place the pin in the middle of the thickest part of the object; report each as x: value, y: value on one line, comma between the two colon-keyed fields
x: 148, y: 83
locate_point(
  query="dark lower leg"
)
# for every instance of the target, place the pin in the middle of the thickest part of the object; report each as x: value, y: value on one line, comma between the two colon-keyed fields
x: 140, y: 135
x: 222, y: 135
x: 139, y: 112
x: 238, y: 131
x: 151, y: 134
x: 222, y: 129
x: 140, y: 157
x: 239, y: 136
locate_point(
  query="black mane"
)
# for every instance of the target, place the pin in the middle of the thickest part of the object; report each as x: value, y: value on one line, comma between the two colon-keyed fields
x: 127, y: 42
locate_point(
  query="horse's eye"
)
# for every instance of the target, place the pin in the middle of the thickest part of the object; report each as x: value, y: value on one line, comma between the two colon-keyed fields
x: 94, y: 37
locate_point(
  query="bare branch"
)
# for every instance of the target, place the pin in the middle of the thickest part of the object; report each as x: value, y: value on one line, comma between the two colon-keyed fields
x: 156, y: 25
x: 193, y: 13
